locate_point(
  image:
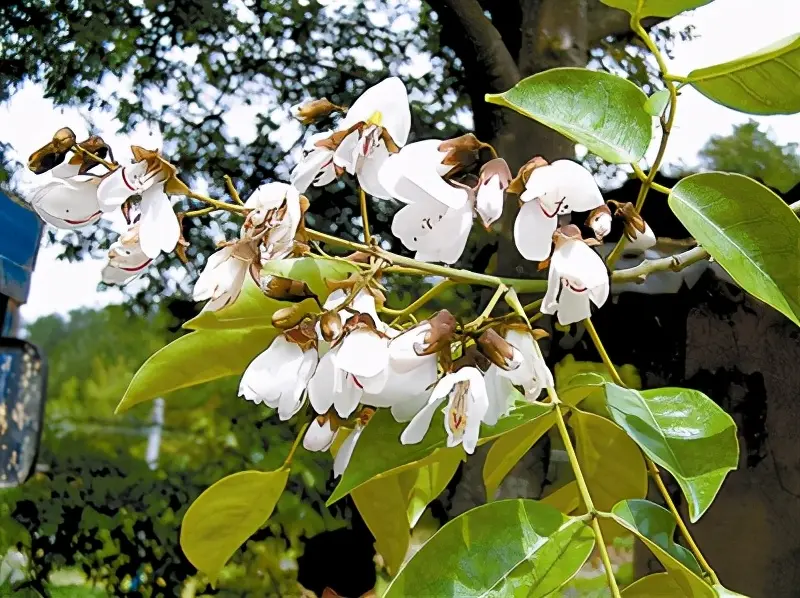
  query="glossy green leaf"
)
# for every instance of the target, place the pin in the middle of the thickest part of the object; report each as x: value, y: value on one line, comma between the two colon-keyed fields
x: 657, y: 103
x: 655, y: 526
x: 566, y: 499
x: 764, y: 82
x: 580, y: 386
x: 657, y: 585
x: 723, y: 592
x: 226, y: 514
x: 749, y: 230
x: 656, y: 8
x: 515, y: 547
x: 313, y: 271
x: 380, y: 453
x: 509, y: 448
x: 612, y: 464
x: 195, y: 358
x: 683, y: 431
x: 423, y: 484
x: 604, y: 112
x: 382, y: 505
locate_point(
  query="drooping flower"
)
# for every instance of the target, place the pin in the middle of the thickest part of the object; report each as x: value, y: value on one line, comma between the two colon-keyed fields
x: 639, y: 234
x: 435, y: 232
x: 274, y: 218
x: 494, y: 179
x: 279, y: 376
x: 126, y: 260
x: 577, y: 276
x: 320, y: 434
x: 316, y: 168
x: 224, y: 274
x: 599, y: 221
x: 152, y: 178
x: 68, y: 203
x: 550, y: 190
x: 377, y: 124
x: 467, y: 404
x: 345, y: 453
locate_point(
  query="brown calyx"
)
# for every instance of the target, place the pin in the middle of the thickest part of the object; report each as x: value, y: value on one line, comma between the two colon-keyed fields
x: 517, y: 185
x: 495, y: 348
x: 440, y: 335
x: 496, y: 167
x: 52, y: 153
x: 315, y: 110
x: 633, y: 223
x: 303, y: 334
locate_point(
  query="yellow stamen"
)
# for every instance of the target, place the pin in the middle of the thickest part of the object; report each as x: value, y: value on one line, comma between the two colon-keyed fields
x: 376, y: 119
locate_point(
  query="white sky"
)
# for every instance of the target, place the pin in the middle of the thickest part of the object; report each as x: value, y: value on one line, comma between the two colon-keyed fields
x: 724, y: 29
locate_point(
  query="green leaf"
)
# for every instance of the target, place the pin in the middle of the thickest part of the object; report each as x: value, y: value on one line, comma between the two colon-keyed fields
x: 380, y: 453
x: 723, y: 592
x: 515, y: 547
x: 604, y: 112
x: 382, y: 505
x: 579, y: 387
x: 195, y: 358
x: 749, y: 230
x: 657, y: 585
x: 423, y: 484
x: 566, y: 499
x: 226, y: 514
x: 656, y: 8
x: 655, y: 526
x: 683, y: 431
x: 764, y: 82
x: 612, y: 464
x: 253, y: 309
x: 509, y: 448
x: 657, y: 103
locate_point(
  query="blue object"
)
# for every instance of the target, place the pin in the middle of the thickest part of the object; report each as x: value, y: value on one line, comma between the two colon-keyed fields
x: 20, y: 231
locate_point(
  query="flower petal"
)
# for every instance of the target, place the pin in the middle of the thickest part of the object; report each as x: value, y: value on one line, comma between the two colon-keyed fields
x: 346, y: 155
x: 390, y: 99
x: 319, y: 437
x: 643, y: 241
x: 309, y: 168
x: 447, y: 241
x: 321, y: 386
x: 345, y: 452
x: 271, y: 374
x: 599, y: 294
x: 207, y: 281
x: 416, y: 429
x: 415, y: 221
x: 402, y: 356
x: 368, y: 173
x: 489, y: 201
x: 533, y: 231
x: 499, y: 389
x: 68, y: 203
x: 363, y: 353
x: 290, y: 403
x: 159, y: 230
x: 564, y: 186
x: 580, y: 264
x: 573, y: 307
x: 119, y: 185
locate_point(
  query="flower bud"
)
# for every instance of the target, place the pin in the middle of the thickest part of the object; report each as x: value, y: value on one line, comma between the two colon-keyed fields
x: 639, y: 234
x: 462, y: 152
x: 440, y: 335
x: 287, y: 317
x: 53, y: 153
x: 287, y: 289
x: 330, y: 324
x: 497, y: 350
x: 599, y: 221
x: 517, y: 185
x: 320, y: 434
x: 494, y: 178
x: 313, y: 110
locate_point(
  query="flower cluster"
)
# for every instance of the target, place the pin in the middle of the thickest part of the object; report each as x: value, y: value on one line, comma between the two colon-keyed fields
x: 344, y: 359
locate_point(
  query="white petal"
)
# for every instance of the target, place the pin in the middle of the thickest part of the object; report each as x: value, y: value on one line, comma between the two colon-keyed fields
x: 269, y: 375
x: 489, y: 201
x: 564, y: 186
x: 268, y: 196
x: 345, y: 453
x: 580, y: 264
x: 65, y: 170
x: 290, y: 402
x: 405, y: 410
x: 321, y: 386
x: 368, y: 173
x: 390, y: 99
x: 550, y: 300
x: 68, y: 203
x: 573, y: 307
x: 319, y: 437
x: 400, y: 387
x: 415, y: 221
x: 643, y: 241
x: 416, y: 429
x: 310, y: 167
x: 113, y: 275
x: 402, y: 356
x: 601, y: 225
x: 347, y: 393
x: 533, y: 232
x: 599, y: 294
x: 499, y: 389
x: 118, y: 186
x: 363, y: 353
x: 207, y: 281
x: 364, y: 303
x: 159, y: 229
x: 447, y: 241
x: 346, y: 155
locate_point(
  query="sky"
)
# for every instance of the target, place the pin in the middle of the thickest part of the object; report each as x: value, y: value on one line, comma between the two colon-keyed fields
x: 724, y: 29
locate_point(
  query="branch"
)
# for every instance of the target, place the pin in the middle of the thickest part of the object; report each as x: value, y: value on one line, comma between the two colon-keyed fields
x: 489, y: 50
x: 605, y: 21
x: 676, y: 263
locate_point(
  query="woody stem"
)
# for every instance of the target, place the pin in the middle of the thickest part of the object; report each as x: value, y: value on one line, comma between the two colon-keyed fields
x: 498, y: 293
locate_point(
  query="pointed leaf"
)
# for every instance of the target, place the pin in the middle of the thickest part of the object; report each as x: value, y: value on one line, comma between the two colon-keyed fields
x: 380, y: 453
x: 314, y: 271
x: 657, y: 585
x: 604, y: 112
x: 566, y: 499
x: 764, y: 82
x: 657, y: 103
x: 749, y: 230
x: 195, y: 358
x: 423, y: 484
x: 655, y: 526
x: 508, y: 548
x: 382, y: 505
x: 683, y: 431
x: 509, y: 448
x: 656, y: 8
x: 226, y: 515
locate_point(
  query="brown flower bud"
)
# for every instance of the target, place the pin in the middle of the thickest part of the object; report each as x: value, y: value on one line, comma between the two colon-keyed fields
x: 314, y: 110
x: 286, y: 317
x: 53, y: 153
x: 303, y: 335
x: 633, y: 222
x: 443, y: 327
x: 517, y: 185
x: 462, y: 152
x: 287, y: 289
x: 497, y: 349
x: 94, y: 145
x: 331, y: 325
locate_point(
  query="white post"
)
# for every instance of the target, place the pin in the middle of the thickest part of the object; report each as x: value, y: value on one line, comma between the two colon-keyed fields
x: 154, y: 437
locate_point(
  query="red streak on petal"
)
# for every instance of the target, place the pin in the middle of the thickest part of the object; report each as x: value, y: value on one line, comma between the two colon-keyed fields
x: 125, y: 180
x: 82, y: 221
x: 356, y: 382
x: 136, y: 268
x: 558, y: 207
x: 576, y: 289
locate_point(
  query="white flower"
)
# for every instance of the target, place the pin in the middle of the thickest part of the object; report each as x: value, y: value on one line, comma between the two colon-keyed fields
x: 558, y: 188
x: 642, y: 241
x: 342, y: 459
x: 320, y: 435
x: 467, y: 404
x: 316, y: 168
x: 68, y: 202
x: 492, y: 183
x: 435, y: 232
x: 577, y: 276
x: 358, y: 364
x: 362, y: 303
x: 276, y: 212
x: 360, y: 145
x: 159, y: 227
x: 600, y: 221
x: 222, y: 278
x: 279, y: 376
x: 415, y: 175
x: 126, y: 260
